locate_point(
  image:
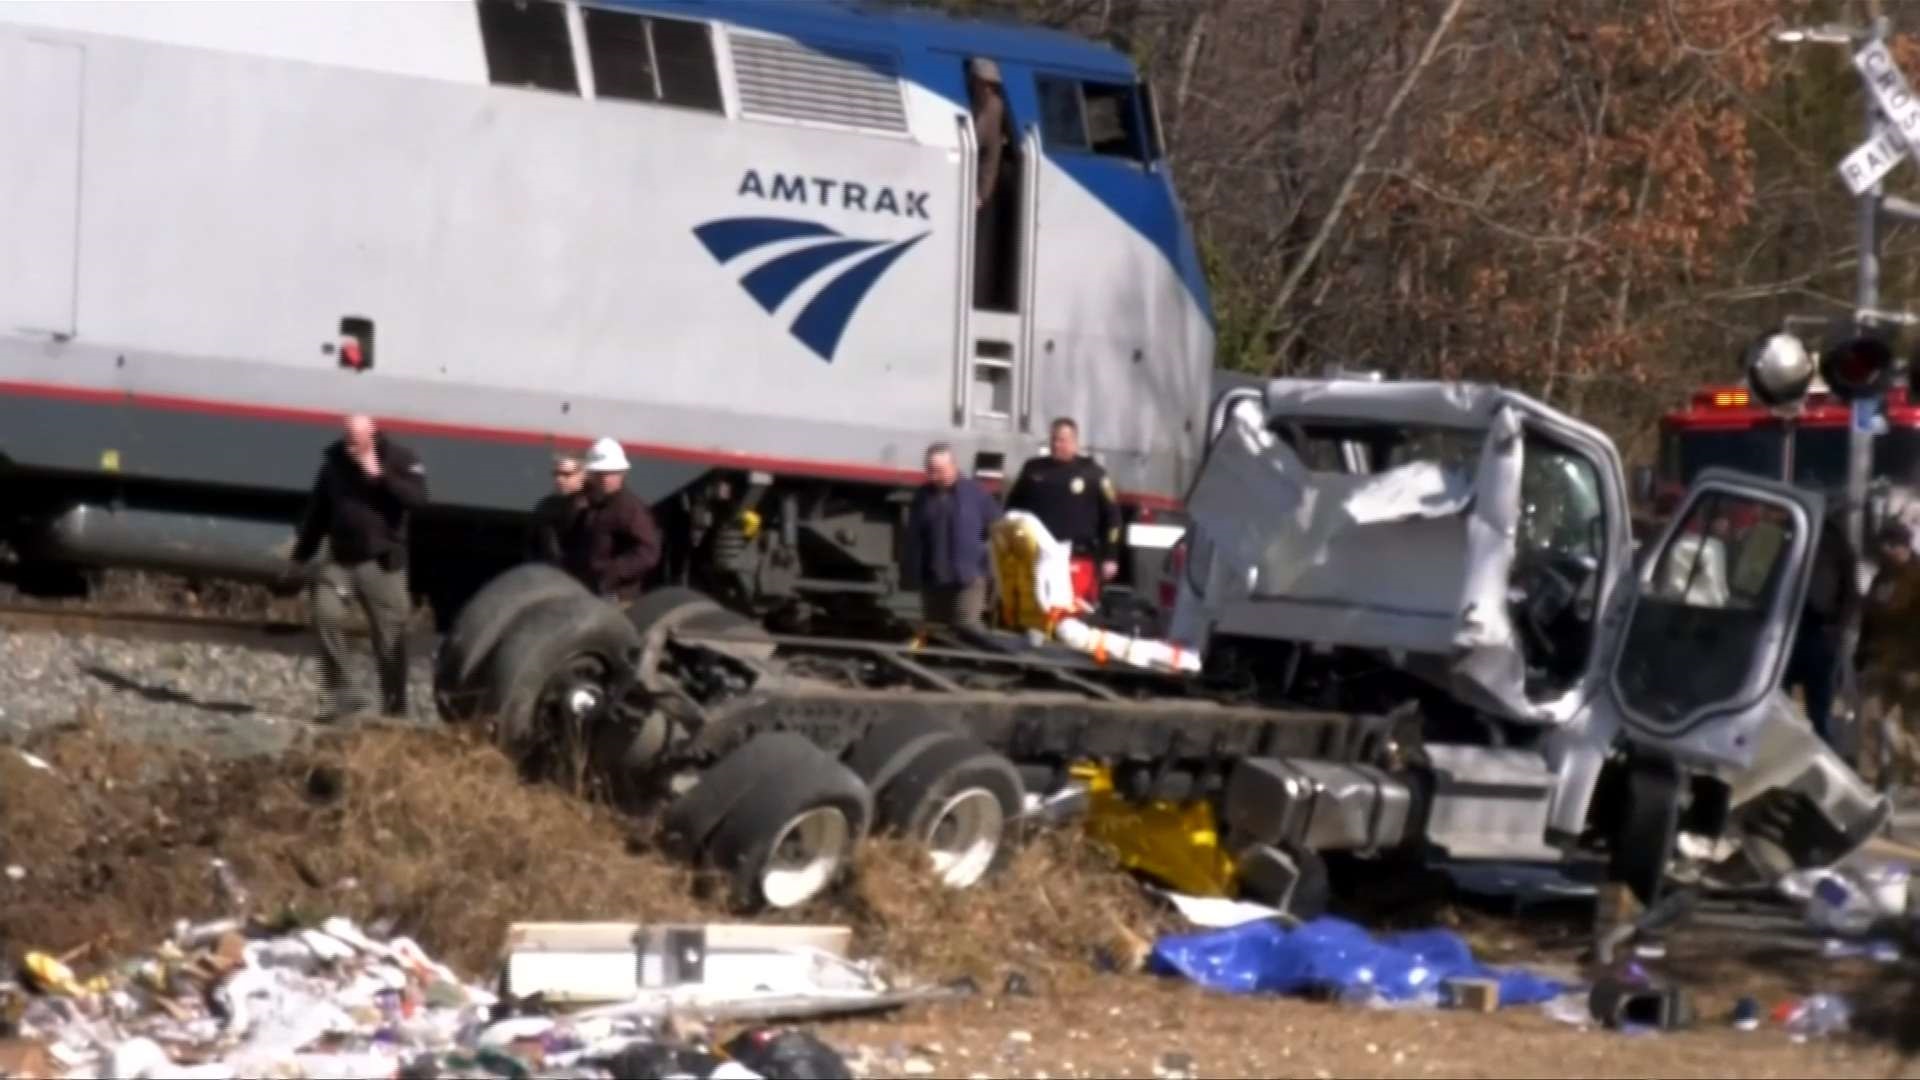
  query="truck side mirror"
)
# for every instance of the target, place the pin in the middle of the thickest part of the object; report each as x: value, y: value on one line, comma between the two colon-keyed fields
x: 1643, y: 484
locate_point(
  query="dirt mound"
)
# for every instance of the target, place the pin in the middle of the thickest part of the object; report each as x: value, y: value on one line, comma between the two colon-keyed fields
x: 430, y: 834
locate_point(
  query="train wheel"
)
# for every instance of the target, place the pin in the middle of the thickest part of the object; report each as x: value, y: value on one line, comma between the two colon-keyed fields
x: 791, y: 835
x: 959, y: 800
x: 555, y: 668
x: 478, y: 629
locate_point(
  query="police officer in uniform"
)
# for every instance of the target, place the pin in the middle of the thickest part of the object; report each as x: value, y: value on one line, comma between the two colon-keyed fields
x: 1074, y: 499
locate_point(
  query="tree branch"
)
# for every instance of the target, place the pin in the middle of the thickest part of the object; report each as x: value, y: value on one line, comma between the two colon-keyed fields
x: 1345, y: 192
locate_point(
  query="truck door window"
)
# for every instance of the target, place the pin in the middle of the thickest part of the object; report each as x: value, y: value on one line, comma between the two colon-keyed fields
x: 1701, y: 617
x: 1559, y: 550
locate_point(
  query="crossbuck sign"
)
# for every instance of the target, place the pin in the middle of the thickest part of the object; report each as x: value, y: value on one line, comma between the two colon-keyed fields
x: 1877, y: 157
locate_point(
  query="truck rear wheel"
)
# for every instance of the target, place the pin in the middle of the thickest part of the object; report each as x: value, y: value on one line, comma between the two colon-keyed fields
x: 559, y: 663
x: 690, y: 820
x: 959, y: 800
x: 676, y: 607
x: 890, y: 746
x: 479, y: 627
x: 791, y: 835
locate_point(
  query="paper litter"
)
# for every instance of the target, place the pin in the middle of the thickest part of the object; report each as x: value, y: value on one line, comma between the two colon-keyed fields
x: 212, y: 1003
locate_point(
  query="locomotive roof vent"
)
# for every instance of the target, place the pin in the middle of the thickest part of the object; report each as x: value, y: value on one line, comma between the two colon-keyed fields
x: 841, y: 85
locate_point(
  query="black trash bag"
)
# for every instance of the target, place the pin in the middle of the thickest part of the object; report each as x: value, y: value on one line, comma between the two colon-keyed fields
x: 657, y: 1061
x: 788, y: 1055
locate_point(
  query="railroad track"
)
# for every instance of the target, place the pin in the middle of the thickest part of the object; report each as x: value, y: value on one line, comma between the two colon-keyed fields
x: 278, y: 635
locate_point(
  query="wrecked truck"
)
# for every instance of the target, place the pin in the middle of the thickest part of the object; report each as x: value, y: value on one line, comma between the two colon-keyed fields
x: 1424, y: 635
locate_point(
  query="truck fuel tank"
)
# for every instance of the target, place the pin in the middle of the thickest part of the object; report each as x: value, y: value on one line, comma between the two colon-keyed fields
x: 1317, y: 805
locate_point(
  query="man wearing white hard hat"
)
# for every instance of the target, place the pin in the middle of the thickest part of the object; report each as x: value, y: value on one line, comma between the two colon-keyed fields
x: 614, y: 541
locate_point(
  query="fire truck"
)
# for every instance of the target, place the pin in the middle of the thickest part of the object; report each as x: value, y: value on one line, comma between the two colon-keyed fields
x: 1726, y: 426
x: 1723, y: 425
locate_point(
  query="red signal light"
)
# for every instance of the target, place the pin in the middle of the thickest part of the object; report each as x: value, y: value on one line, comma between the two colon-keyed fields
x: 1858, y: 367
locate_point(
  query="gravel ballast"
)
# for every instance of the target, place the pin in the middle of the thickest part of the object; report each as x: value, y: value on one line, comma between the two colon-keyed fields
x: 220, y: 697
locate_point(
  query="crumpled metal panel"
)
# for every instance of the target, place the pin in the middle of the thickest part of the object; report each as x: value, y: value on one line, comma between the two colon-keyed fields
x: 1413, y: 560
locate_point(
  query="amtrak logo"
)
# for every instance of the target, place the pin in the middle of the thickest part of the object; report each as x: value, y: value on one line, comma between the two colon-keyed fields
x: 821, y: 322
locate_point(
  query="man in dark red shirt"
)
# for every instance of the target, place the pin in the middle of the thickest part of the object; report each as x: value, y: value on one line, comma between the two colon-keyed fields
x: 614, y: 541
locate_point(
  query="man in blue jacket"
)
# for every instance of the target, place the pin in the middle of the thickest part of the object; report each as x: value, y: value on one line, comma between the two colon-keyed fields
x: 947, y: 553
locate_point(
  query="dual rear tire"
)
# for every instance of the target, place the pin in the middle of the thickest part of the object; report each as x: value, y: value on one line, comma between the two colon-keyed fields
x: 780, y: 820
x: 946, y: 792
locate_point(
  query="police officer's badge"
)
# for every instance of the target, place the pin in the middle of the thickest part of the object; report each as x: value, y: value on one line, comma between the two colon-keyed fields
x: 1079, y: 485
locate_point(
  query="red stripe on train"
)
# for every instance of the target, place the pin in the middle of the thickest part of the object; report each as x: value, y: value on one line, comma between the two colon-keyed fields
x: 280, y: 414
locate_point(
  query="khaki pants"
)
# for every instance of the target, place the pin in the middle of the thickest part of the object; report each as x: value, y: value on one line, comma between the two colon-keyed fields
x: 1888, y: 742
x: 959, y: 606
x: 382, y: 595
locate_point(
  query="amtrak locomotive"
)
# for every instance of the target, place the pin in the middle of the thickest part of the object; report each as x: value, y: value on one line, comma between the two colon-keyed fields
x: 740, y: 236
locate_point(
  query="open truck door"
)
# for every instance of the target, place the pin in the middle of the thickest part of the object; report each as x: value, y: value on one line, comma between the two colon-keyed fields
x: 1699, y: 643
x: 1703, y: 636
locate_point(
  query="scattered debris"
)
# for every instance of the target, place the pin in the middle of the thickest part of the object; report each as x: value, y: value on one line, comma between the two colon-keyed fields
x: 1335, y: 958
x: 214, y: 1002
x: 1633, y: 1002
x: 1473, y: 995
x: 1219, y: 912
x: 1815, y: 1015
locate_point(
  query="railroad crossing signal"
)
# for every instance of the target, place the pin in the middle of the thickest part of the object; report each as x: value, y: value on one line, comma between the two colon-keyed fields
x: 1779, y: 371
x: 1872, y: 160
x: 1858, y: 367
x: 1875, y: 158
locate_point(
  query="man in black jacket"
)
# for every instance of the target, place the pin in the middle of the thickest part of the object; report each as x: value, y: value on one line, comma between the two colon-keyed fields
x: 367, y: 489
x: 553, y: 516
x: 1074, y: 499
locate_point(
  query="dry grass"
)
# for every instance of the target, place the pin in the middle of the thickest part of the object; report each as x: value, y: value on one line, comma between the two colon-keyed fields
x: 433, y: 835
x: 1058, y: 914
x: 423, y: 832
x: 140, y: 590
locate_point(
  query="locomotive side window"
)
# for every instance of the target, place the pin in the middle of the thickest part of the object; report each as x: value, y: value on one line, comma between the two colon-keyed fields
x: 1113, y: 121
x: 1062, y: 124
x: 641, y: 58
x: 621, y: 55
x: 1096, y: 117
x: 683, y: 55
x: 527, y: 45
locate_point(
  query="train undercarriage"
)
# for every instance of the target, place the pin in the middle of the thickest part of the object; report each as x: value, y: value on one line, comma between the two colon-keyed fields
x: 807, y: 556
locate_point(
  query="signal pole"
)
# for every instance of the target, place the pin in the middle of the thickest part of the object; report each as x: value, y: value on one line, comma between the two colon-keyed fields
x: 1866, y: 299
x: 1847, y: 736
x: 1892, y: 114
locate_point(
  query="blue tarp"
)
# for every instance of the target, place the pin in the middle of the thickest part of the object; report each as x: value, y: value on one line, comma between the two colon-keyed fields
x: 1337, y: 957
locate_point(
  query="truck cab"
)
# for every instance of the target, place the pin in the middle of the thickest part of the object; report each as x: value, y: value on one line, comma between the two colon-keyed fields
x: 1468, y: 550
